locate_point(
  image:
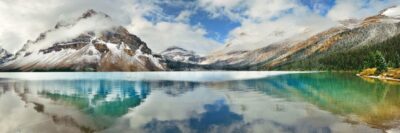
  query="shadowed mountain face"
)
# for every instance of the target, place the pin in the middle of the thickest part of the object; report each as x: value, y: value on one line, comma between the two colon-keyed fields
x: 90, y: 43
x: 181, y: 55
x: 4, y: 55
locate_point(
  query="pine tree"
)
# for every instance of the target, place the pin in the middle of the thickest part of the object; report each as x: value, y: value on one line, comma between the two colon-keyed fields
x: 396, y: 61
x: 369, y: 62
x: 381, y: 63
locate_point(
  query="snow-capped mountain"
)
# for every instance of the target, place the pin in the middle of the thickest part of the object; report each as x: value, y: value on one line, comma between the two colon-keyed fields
x: 181, y: 55
x: 92, y: 42
x: 393, y: 12
x: 350, y: 34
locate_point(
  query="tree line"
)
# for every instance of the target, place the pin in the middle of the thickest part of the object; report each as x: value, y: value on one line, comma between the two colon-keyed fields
x: 380, y: 55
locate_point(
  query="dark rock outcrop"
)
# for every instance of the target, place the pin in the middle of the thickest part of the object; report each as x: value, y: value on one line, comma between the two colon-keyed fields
x: 4, y: 55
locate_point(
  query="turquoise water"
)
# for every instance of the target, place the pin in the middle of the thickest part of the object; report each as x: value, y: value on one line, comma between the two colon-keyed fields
x: 170, y: 102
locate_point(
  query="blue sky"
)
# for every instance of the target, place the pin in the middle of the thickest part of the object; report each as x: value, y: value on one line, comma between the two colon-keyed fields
x: 218, y: 28
x: 319, y: 6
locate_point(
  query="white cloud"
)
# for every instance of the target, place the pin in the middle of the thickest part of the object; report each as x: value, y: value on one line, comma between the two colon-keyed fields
x: 22, y: 21
x: 392, y: 12
x: 162, y: 35
x: 159, y: 35
x: 265, y: 9
x: 345, y: 9
x: 97, y: 24
x: 160, y: 106
x: 246, y: 9
x: 184, y: 16
x: 294, y: 27
x: 219, y: 8
x: 264, y: 22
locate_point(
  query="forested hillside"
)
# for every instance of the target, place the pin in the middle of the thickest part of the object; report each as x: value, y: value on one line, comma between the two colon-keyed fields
x: 351, y: 59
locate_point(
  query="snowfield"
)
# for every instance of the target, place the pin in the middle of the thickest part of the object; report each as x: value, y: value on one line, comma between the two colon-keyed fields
x: 392, y: 12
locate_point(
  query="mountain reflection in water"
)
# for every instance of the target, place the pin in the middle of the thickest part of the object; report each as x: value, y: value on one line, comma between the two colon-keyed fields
x: 303, y: 102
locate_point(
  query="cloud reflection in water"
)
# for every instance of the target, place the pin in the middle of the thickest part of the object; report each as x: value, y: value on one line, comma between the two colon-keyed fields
x: 285, y: 103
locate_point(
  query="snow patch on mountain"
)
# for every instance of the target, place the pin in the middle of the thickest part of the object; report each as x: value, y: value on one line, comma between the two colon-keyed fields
x: 392, y: 12
x: 58, y: 59
x: 181, y: 55
x: 97, y: 23
x: 85, y: 58
x: 350, y: 23
x: 119, y: 52
x: 90, y: 43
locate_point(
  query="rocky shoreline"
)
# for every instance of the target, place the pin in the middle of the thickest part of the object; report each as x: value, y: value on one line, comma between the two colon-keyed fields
x: 380, y: 78
x: 390, y: 75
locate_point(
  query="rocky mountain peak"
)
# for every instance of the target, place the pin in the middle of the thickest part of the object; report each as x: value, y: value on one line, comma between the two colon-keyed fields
x: 4, y: 55
x: 3, y: 50
x: 89, y: 13
x: 179, y: 54
x: 388, y: 15
x: 105, y: 30
x: 176, y: 49
x: 91, y: 42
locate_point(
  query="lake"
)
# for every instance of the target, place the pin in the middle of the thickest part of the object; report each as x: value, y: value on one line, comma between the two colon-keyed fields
x: 197, y: 102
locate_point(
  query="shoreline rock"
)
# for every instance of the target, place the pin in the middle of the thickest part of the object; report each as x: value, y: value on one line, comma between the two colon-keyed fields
x: 380, y: 78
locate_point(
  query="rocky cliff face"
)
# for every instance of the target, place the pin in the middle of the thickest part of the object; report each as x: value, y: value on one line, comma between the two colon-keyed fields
x: 4, y: 55
x: 90, y: 43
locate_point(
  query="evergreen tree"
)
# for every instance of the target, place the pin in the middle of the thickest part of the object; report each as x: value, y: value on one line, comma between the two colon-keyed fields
x: 396, y: 61
x: 352, y: 59
x: 369, y: 62
x: 391, y: 64
x: 380, y: 61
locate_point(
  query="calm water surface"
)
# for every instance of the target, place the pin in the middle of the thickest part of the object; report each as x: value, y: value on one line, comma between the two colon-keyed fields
x: 191, y: 102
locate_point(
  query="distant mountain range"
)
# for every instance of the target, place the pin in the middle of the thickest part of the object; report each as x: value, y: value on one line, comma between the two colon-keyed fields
x: 110, y: 47
x: 181, y: 55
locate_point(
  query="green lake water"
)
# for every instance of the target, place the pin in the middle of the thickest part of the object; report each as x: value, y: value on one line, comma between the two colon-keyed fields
x: 173, y: 102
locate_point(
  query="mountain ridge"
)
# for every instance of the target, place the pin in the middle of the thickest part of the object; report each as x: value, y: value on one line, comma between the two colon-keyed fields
x: 353, y: 35
x: 90, y: 43
x: 4, y: 55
